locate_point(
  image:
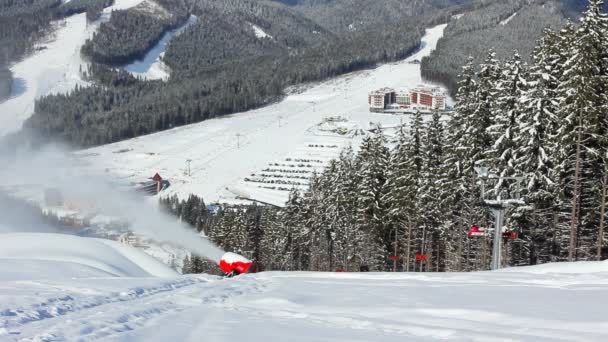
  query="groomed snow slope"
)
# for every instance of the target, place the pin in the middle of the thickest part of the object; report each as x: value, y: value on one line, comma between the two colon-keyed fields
x: 25, y: 256
x: 561, y: 302
x: 226, y: 151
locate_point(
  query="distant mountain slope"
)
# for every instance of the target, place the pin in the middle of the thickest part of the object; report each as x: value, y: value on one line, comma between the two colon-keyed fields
x: 130, y: 33
x: 241, y: 54
x: 24, y: 23
x: 505, y: 26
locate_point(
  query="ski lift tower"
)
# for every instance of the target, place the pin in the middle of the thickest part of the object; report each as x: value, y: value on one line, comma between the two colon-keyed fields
x: 498, y: 207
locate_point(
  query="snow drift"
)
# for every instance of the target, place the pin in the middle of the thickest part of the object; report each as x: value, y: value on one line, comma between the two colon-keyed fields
x: 26, y: 256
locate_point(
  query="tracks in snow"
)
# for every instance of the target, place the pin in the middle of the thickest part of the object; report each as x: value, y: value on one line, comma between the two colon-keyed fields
x: 77, y: 317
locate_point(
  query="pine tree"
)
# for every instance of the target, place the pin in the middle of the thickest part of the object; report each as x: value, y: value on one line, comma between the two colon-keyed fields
x: 431, y: 213
x: 349, y: 239
x: 506, y: 113
x: 582, y: 112
x: 414, y: 175
x: 373, y: 159
x: 483, y: 103
x: 187, y: 265
x: 400, y: 204
x: 538, y: 125
x: 456, y: 184
x: 291, y: 218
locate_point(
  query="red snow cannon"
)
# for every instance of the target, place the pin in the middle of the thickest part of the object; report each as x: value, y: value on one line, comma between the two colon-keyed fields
x: 234, y: 264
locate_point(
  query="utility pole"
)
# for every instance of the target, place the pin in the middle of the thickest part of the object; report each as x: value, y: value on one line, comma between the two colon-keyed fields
x: 497, y: 249
x: 279, y: 117
x: 498, y: 208
x: 238, y: 140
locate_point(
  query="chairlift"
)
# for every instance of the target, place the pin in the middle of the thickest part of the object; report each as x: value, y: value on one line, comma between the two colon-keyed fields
x: 509, y: 235
x: 475, y: 231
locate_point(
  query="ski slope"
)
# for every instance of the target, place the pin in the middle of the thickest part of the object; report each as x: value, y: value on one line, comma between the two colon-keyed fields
x: 53, y: 69
x: 151, y: 67
x: 559, y: 302
x: 261, y: 154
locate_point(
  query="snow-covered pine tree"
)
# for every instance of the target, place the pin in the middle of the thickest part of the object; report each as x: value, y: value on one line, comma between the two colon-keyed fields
x: 349, y: 239
x: 456, y: 186
x: 477, y: 142
x: 484, y: 104
x: 414, y: 175
x: 584, y: 128
x: 291, y: 218
x: 312, y: 214
x: 506, y: 110
x: 256, y: 224
x: 327, y: 214
x: 187, y: 265
x: 271, y: 253
x: 431, y: 212
x: 535, y: 148
x: 373, y: 159
x: 398, y: 197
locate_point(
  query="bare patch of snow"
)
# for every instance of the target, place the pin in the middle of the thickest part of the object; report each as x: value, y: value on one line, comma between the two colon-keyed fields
x: 259, y: 33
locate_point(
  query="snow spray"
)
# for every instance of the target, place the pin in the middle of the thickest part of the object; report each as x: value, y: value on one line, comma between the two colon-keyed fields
x: 54, y: 167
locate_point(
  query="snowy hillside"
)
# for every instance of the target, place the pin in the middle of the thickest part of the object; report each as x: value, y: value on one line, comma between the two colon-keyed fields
x: 562, y: 303
x: 263, y: 153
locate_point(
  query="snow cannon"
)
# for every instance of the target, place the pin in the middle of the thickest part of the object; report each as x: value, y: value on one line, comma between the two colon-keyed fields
x: 234, y: 264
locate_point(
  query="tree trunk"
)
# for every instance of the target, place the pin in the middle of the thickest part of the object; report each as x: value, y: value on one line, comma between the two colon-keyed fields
x: 422, y: 246
x: 460, y: 245
x: 573, y: 223
x: 409, y: 247
x: 600, y: 238
x: 395, y: 253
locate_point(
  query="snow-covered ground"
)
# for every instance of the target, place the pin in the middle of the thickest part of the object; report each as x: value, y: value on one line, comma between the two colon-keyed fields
x: 50, y: 301
x: 254, y: 154
x: 24, y: 256
x: 55, y: 68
